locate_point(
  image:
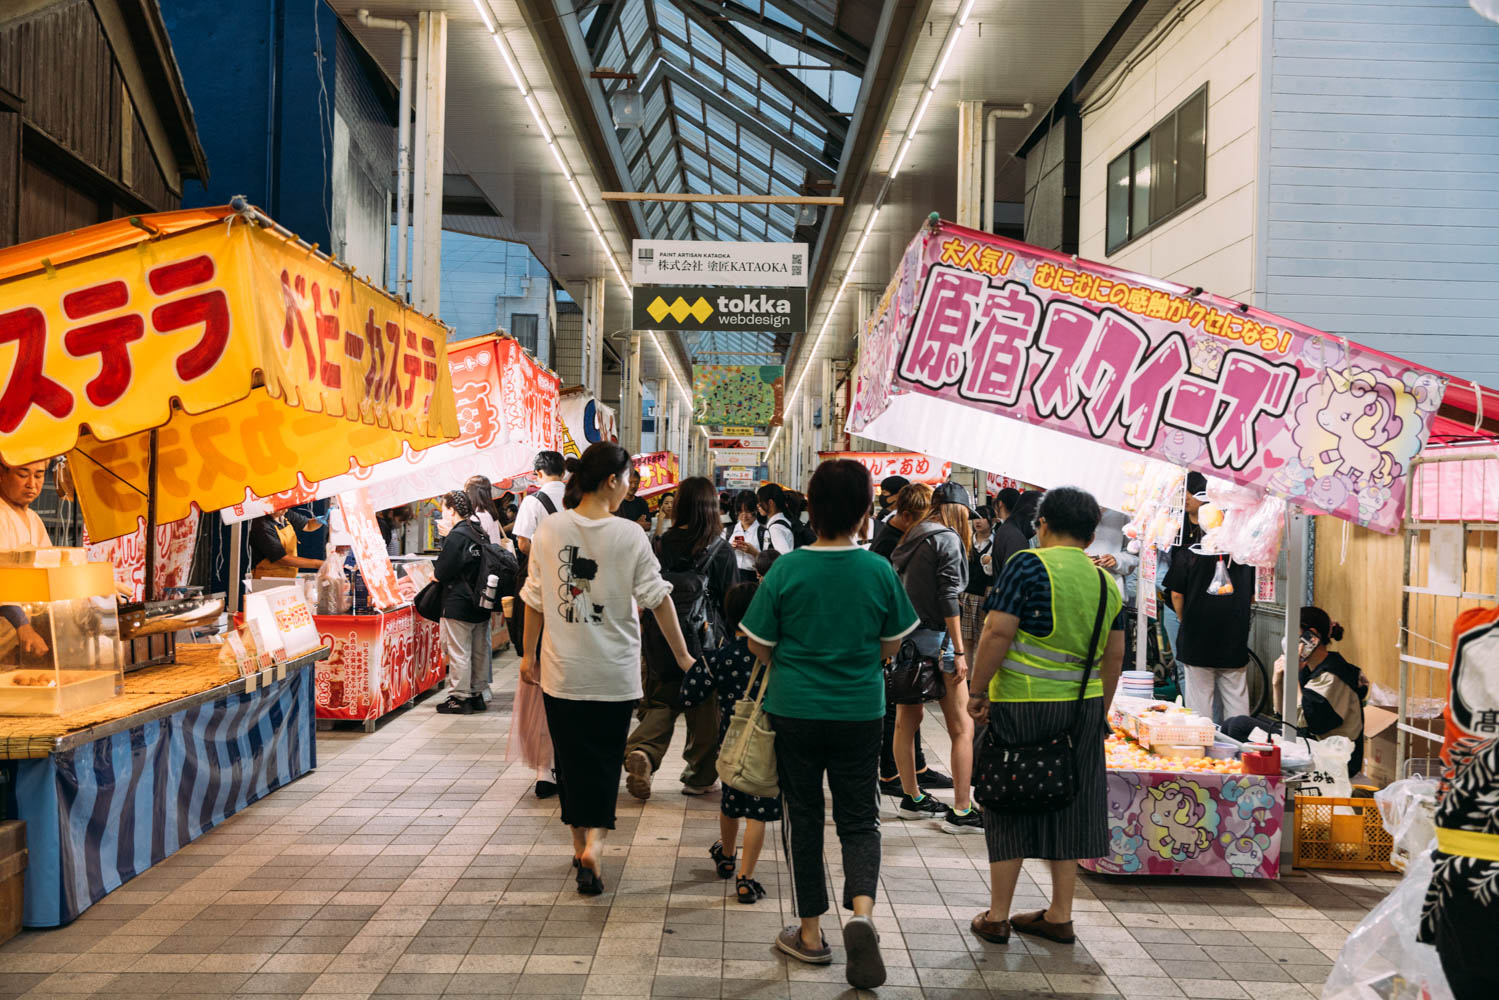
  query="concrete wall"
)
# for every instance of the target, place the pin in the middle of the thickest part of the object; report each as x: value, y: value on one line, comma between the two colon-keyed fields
x: 1382, y: 216
x: 486, y: 282
x: 1212, y: 243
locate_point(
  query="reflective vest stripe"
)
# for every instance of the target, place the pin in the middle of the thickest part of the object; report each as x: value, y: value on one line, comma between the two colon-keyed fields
x: 1043, y: 652
x: 1050, y: 673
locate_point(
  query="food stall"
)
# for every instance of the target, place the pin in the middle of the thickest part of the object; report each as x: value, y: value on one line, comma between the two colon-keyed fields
x: 1102, y: 373
x: 912, y: 466
x: 178, y: 359
x: 386, y: 655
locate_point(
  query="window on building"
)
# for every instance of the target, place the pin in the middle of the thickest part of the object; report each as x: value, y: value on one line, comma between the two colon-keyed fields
x: 1160, y: 174
x: 523, y: 329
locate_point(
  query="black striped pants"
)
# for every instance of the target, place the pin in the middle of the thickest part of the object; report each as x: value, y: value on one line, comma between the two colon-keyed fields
x: 849, y: 754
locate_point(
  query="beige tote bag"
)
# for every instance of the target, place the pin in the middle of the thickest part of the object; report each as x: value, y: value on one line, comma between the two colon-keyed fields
x: 747, y: 759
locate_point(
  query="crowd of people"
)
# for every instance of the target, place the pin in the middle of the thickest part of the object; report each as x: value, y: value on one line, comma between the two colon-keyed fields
x: 721, y: 606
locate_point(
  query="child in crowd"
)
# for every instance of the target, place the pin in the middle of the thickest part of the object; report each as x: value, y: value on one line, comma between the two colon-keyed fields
x: 764, y: 561
x: 726, y: 671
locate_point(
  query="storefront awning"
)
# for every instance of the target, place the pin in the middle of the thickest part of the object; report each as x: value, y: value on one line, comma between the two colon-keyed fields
x: 257, y: 360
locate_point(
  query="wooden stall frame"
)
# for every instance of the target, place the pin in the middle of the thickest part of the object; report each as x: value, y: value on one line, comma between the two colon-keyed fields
x: 1416, y: 559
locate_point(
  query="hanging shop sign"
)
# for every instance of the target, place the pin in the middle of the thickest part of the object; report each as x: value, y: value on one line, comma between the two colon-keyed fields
x: 585, y: 421
x: 679, y: 262
x: 733, y: 432
x: 977, y: 322
x: 736, y: 456
x: 746, y: 394
x: 106, y: 328
x: 752, y: 443
x: 727, y: 309
x: 914, y: 467
x: 658, y: 473
x: 507, y: 411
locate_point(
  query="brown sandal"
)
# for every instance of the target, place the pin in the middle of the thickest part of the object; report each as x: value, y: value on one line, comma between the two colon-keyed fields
x: 1037, y: 925
x: 993, y: 931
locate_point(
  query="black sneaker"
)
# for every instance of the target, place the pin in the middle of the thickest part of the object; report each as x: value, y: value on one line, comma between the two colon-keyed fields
x: 546, y: 789
x: 925, y: 807
x: 477, y: 703
x: 970, y: 822
x: 891, y: 786
x: 930, y: 779
x: 456, y: 705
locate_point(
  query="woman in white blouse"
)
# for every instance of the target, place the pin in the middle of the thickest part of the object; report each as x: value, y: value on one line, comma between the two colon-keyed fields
x: 666, y: 514
x: 589, y: 572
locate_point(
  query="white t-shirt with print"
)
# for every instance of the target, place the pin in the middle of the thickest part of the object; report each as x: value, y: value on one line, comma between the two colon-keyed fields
x: 589, y: 579
x: 531, y: 511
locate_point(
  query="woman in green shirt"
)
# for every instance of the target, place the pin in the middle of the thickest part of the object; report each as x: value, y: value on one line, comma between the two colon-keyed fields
x: 826, y: 617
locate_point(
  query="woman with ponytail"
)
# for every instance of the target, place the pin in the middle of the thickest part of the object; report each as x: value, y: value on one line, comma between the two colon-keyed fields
x: 589, y: 571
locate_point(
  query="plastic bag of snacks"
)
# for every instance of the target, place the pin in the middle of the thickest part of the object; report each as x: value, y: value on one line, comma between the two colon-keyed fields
x: 1382, y: 960
x: 1408, y: 809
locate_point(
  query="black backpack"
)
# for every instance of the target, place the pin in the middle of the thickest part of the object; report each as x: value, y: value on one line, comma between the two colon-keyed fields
x: 495, y: 560
x: 690, y: 595
x: 802, y: 533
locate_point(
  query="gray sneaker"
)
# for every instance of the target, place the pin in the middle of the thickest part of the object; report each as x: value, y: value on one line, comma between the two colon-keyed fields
x: 789, y: 942
x: 866, y: 967
x: 638, y: 774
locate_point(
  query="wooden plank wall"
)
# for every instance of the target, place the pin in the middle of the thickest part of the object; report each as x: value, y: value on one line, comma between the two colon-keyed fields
x: 1364, y: 594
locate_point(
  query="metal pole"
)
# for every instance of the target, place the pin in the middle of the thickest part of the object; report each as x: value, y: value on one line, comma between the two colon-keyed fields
x: 236, y: 540
x: 1295, y: 597
x: 152, y: 456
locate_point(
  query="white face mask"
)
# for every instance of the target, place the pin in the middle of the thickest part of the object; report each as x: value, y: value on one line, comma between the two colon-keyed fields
x: 446, y: 522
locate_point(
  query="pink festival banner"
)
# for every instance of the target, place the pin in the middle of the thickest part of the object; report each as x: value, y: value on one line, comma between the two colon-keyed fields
x: 1147, y: 366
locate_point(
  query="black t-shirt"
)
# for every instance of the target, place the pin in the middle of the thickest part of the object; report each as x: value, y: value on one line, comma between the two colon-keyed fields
x: 1214, y: 629
x: 633, y: 510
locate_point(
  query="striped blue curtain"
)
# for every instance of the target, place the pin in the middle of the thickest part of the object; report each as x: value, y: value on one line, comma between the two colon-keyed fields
x: 99, y: 815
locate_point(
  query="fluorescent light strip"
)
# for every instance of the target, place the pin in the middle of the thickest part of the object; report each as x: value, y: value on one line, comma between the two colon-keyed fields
x: 534, y: 106
x: 933, y: 82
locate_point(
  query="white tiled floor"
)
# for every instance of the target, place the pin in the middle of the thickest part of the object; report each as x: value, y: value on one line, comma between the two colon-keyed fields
x: 415, y: 861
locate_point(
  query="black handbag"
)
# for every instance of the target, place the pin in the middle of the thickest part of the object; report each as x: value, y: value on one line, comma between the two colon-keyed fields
x: 914, y: 677
x: 428, y: 601
x: 1039, y: 777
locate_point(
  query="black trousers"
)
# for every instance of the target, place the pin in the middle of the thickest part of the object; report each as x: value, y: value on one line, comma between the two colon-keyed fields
x: 849, y: 754
x: 887, y: 747
x: 588, y: 742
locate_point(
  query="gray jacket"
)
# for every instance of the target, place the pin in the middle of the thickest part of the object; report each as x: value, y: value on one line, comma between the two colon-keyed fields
x: 931, y: 564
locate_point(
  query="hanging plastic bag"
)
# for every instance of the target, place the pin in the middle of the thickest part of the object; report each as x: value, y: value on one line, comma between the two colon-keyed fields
x: 1220, y: 585
x: 334, y: 594
x: 1329, y: 774
x: 1408, y: 809
x: 1382, y: 960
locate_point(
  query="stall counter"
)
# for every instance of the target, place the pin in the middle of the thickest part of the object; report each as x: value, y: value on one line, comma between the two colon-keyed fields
x: 112, y: 790
x: 378, y: 663
x: 1191, y: 823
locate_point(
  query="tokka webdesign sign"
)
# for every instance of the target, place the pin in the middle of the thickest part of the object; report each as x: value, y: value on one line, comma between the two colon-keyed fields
x: 780, y: 265
x: 680, y: 307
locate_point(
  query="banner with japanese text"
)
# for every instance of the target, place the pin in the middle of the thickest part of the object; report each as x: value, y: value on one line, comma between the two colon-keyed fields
x: 585, y: 421
x: 111, y: 341
x: 207, y: 461
x: 911, y: 466
x: 357, y: 517
x: 1128, y: 362
x: 175, y: 541
x: 658, y: 473
x: 507, y: 412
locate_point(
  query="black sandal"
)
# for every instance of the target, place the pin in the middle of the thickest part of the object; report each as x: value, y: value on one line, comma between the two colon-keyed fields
x: 748, y: 890
x: 726, y: 863
x: 589, y: 883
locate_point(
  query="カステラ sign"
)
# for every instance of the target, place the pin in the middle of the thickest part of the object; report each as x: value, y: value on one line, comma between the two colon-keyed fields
x: 698, y: 262
x: 720, y: 310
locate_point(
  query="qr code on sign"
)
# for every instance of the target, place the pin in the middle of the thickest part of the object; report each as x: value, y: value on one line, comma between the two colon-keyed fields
x: 796, y: 265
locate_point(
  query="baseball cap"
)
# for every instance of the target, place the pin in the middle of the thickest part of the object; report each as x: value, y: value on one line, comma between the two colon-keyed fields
x: 953, y: 493
x: 893, y: 484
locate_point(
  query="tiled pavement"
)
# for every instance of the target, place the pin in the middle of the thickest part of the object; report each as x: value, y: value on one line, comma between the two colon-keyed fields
x: 415, y: 862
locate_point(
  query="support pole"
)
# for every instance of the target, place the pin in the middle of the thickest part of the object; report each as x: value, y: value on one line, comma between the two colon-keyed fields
x: 1295, y: 598
x: 403, y: 142
x: 970, y: 160
x: 152, y: 457
x: 236, y: 542
x: 431, y: 107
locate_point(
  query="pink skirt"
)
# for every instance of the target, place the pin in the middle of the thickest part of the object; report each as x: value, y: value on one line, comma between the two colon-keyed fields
x: 530, y: 739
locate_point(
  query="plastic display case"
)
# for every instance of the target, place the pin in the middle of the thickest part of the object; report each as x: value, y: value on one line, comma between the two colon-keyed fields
x: 74, y: 659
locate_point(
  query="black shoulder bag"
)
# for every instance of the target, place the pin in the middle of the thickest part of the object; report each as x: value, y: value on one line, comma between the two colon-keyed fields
x: 1039, y: 777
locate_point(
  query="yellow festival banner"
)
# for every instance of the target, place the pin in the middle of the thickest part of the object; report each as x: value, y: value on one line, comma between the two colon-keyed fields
x: 211, y: 458
x: 118, y: 328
